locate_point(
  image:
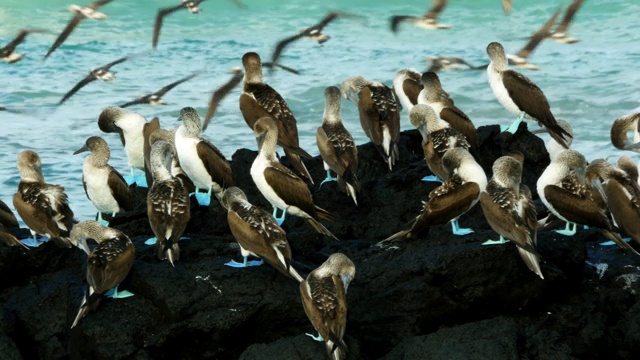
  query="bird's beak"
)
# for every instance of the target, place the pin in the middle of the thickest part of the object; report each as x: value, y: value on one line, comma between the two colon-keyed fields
x: 260, y: 141
x: 82, y: 149
x: 540, y: 131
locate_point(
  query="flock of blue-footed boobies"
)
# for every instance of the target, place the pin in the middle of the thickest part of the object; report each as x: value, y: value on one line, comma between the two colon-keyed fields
x: 177, y: 163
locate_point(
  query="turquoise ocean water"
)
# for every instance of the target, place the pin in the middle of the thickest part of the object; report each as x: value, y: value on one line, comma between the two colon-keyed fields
x: 588, y: 84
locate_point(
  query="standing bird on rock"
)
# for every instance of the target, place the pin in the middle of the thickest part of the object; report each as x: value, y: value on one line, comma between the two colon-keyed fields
x: 337, y: 148
x: 108, y: 263
x: 168, y: 205
x: 510, y: 211
x: 104, y: 186
x: 8, y: 220
x: 279, y: 185
x: 379, y: 114
x: 259, y: 100
x: 8, y: 53
x: 619, y: 129
x: 44, y: 208
x: 324, y: 298
x: 520, y: 96
x: 257, y: 233
x: 428, y: 21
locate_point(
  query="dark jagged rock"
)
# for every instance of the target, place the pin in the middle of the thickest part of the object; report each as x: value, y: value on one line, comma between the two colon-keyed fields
x: 415, y: 298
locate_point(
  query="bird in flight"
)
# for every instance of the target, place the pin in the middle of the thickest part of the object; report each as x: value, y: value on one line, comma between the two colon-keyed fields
x: 156, y: 97
x: 100, y: 73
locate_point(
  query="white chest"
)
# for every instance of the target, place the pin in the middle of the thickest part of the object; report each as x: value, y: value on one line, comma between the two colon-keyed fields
x: 257, y: 174
x: 552, y: 175
x: 98, y: 191
x: 404, y: 99
x: 190, y: 162
x: 501, y: 93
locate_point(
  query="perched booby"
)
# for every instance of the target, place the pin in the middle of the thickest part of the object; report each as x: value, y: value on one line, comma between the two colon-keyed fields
x: 8, y: 220
x: 8, y: 52
x: 407, y: 85
x: 428, y: 21
x: 81, y: 13
x: 176, y: 170
x: 193, y: 6
x: 619, y: 129
x: 104, y: 186
x: 437, y: 63
x: 437, y: 138
x: 379, y: 114
x: 279, y: 185
x: 131, y: 127
x: 221, y: 93
x: 107, y: 264
x: 324, y: 298
x: 627, y: 165
x: 552, y: 145
x: 100, y: 73
x: 155, y: 98
x: 520, y: 58
x: 259, y: 99
x: 433, y: 95
x: 457, y: 195
x: 151, y: 127
x: 560, y: 32
x: 44, y: 208
x: 257, y: 233
x: 168, y: 205
x: 510, y: 211
x: 337, y: 148
x: 520, y: 96
x: 203, y: 163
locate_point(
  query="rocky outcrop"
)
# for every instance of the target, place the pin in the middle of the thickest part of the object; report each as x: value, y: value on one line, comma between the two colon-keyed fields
x: 439, y: 297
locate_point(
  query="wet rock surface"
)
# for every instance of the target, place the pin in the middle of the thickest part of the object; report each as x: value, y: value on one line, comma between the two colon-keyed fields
x: 439, y: 297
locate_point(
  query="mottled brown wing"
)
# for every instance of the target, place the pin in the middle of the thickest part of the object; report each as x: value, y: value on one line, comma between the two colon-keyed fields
x: 458, y: 120
x: 574, y: 203
x: 500, y: 208
x: 168, y: 206
x: 290, y: 188
x: 324, y: 302
x: 35, y: 210
x: 447, y: 205
x: 109, y: 263
x: 275, y: 106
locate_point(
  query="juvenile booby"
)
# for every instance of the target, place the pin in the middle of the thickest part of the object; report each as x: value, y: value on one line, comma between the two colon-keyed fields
x: 407, y: 85
x: 257, y: 233
x: 428, y: 21
x: 8, y: 52
x: 337, y: 148
x: 100, y: 73
x: 379, y: 114
x: 130, y: 126
x: 520, y: 96
x: 193, y: 6
x: 279, y: 185
x: 7, y: 221
x: 104, y: 186
x: 619, y: 129
x: 155, y: 98
x: 168, y: 205
x: 552, y: 145
x: 259, y: 99
x: 437, y: 138
x: 81, y: 13
x: 44, y: 208
x: 510, y: 211
x: 107, y: 264
x: 203, y: 163
x: 457, y: 195
x: 324, y: 298
x: 221, y: 93
x: 560, y: 32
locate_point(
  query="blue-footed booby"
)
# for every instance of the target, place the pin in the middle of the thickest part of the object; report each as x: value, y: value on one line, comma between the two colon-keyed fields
x: 627, y: 165
x: 520, y: 96
x: 220, y: 94
x: 8, y: 220
x: 510, y: 211
x: 44, y: 208
x: 520, y: 58
x: 428, y: 21
x: 560, y: 32
x: 203, y: 163
x: 257, y: 233
x: 80, y: 13
x: 407, y: 85
x: 193, y: 6
x: 337, y: 148
x: 100, y: 73
x: 176, y: 170
x: 130, y: 126
x: 155, y: 98
x: 619, y: 129
x: 437, y: 63
x: 259, y: 100
x: 324, y: 298
x: 168, y: 205
x: 379, y: 114
x: 104, y: 186
x: 279, y: 185
x: 107, y: 264
x: 552, y: 145
x: 459, y: 193
x: 8, y: 52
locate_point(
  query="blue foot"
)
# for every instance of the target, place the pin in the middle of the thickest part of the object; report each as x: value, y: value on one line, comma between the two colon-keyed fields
x: 611, y: 243
x: 279, y: 220
x: 245, y: 263
x: 432, y: 178
x: 204, y: 199
x: 34, y: 242
x: 456, y: 230
x: 585, y: 227
x: 496, y: 242
x: 514, y: 125
x: 115, y: 294
x: 316, y: 338
x: 328, y: 178
x: 569, y: 229
x: 130, y: 179
x: 151, y: 241
x: 141, y: 180
x: 503, y: 128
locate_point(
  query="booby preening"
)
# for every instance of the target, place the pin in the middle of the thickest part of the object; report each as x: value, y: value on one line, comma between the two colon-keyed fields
x: 168, y: 205
x: 337, y: 148
x: 155, y: 98
x: 407, y: 85
x: 520, y: 96
x: 428, y: 21
x: 104, y: 186
x: 203, y: 163
x: 619, y: 129
x: 510, y: 211
x: 627, y: 165
x: 324, y: 298
x: 560, y: 32
x: 257, y: 233
x: 8, y: 53
x: 279, y: 185
x: 100, y: 73
x: 107, y: 264
x: 7, y: 221
x: 457, y: 195
x: 44, y: 208
x: 552, y: 145
x: 259, y: 100
x: 379, y: 114
x: 176, y: 170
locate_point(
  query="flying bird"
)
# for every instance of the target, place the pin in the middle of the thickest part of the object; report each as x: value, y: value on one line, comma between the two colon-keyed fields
x: 8, y: 52
x: 100, y: 73
x: 156, y: 97
x: 192, y: 6
x: 2, y: 108
x: 219, y: 94
x: 507, y: 5
x: 560, y: 33
x: 80, y: 14
x: 520, y: 58
x: 428, y: 21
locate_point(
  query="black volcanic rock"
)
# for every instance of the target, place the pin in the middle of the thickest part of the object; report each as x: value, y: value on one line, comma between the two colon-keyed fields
x: 441, y: 296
